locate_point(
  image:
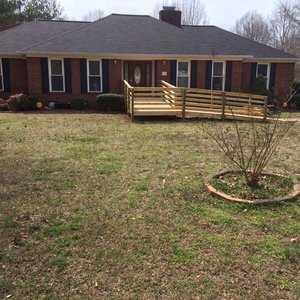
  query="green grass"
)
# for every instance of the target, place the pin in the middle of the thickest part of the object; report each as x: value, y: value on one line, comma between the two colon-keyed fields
x: 94, y: 206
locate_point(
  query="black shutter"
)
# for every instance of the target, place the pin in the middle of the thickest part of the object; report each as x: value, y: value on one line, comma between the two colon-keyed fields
x: 68, y: 75
x: 6, y: 75
x: 208, y: 75
x: 253, y: 75
x: 272, y: 77
x: 228, y: 76
x: 105, y: 75
x: 173, y: 72
x: 45, y: 75
x: 83, y: 76
x: 194, y: 74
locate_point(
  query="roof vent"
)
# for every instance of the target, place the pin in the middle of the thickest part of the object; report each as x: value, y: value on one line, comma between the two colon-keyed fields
x: 170, y: 15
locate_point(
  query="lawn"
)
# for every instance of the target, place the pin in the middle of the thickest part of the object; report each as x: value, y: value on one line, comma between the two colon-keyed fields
x: 94, y: 206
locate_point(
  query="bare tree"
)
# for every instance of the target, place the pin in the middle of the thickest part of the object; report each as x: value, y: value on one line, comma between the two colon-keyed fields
x: 285, y: 26
x: 93, y: 15
x: 193, y: 11
x: 253, y: 26
x: 250, y: 148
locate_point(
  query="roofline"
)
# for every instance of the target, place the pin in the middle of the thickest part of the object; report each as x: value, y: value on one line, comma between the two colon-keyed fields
x: 132, y: 56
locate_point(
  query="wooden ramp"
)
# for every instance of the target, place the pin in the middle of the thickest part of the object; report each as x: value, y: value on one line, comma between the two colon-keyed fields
x: 169, y: 100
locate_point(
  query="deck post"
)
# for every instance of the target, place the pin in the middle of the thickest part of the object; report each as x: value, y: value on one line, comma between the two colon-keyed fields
x: 223, y: 105
x: 132, y: 105
x: 183, y: 102
x: 265, y: 108
x: 125, y: 99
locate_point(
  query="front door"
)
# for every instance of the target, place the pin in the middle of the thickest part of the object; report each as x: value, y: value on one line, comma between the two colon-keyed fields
x: 138, y: 73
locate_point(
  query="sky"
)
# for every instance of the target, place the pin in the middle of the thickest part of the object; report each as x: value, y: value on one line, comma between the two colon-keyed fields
x: 222, y: 13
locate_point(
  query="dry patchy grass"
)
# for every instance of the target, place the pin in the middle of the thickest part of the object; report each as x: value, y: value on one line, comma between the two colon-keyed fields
x: 93, y: 206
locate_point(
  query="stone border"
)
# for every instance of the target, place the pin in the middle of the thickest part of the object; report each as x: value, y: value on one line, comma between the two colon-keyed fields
x: 224, y: 196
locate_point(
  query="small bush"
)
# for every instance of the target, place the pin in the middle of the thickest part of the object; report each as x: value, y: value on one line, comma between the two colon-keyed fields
x: 260, y: 86
x: 79, y: 104
x: 3, y: 105
x: 111, y: 103
x: 21, y: 102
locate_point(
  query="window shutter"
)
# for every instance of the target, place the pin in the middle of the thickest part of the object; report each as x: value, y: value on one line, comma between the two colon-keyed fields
x: 194, y: 74
x: 6, y: 75
x: 68, y: 75
x: 228, y: 77
x: 253, y: 75
x: 208, y: 74
x: 83, y: 75
x: 174, y: 72
x: 45, y: 75
x: 272, y: 77
x: 105, y: 75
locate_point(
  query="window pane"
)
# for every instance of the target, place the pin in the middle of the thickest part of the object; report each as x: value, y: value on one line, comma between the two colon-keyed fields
x: 1, y: 86
x: 183, y: 69
x: 56, y: 67
x: 94, y: 68
x: 57, y: 83
x: 218, y: 69
x: 183, y: 82
x: 218, y: 83
x: 262, y: 70
x: 95, y: 84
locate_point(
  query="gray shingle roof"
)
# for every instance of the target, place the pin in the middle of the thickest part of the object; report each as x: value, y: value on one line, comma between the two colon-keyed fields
x: 128, y: 34
x: 28, y: 34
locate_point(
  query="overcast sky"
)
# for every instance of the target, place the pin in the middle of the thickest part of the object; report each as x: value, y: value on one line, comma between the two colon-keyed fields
x: 222, y: 13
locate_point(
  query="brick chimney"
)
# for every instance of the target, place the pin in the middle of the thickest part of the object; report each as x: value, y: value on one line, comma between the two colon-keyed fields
x: 170, y: 15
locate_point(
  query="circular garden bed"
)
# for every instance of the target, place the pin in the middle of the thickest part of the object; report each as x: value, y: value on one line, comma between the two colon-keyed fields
x: 231, y: 185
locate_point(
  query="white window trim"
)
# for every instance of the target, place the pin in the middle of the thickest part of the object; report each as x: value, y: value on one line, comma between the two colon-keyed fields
x: 268, y: 72
x: 88, y: 75
x: 1, y: 73
x: 224, y: 74
x: 50, y: 75
x: 189, y: 71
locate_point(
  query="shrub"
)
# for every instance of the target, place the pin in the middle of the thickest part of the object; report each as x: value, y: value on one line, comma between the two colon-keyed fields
x: 79, y: 104
x: 21, y: 102
x: 15, y: 102
x: 3, y: 105
x: 111, y: 102
x: 260, y: 86
x: 251, y: 147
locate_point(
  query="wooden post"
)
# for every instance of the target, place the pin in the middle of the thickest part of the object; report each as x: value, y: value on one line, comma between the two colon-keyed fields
x: 183, y: 102
x: 132, y: 105
x: 265, y: 108
x: 223, y: 105
x: 125, y: 99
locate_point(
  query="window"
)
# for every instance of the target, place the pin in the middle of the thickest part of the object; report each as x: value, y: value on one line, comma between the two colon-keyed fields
x: 218, y: 75
x: 263, y: 71
x: 1, y: 76
x: 94, y: 71
x: 56, y: 75
x: 183, y: 73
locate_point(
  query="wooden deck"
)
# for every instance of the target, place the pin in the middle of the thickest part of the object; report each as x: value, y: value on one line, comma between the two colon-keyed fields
x: 169, y: 100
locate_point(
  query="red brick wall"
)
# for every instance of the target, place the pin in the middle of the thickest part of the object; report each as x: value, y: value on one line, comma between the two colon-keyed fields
x: 115, y: 76
x: 201, y: 74
x: 160, y: 67
x: 246, y: 77
x: 285, y: 74
x: 236, y: 77
x: 18, y: 76
x: 34, y: 76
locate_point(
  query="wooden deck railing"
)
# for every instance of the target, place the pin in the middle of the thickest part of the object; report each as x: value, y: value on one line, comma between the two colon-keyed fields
x: 190, y: 102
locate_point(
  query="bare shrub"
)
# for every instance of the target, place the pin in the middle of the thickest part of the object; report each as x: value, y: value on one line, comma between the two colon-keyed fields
x: 250, y: 146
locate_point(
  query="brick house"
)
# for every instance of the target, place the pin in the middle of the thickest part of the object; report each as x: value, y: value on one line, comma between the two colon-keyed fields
x: 63, y: 60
